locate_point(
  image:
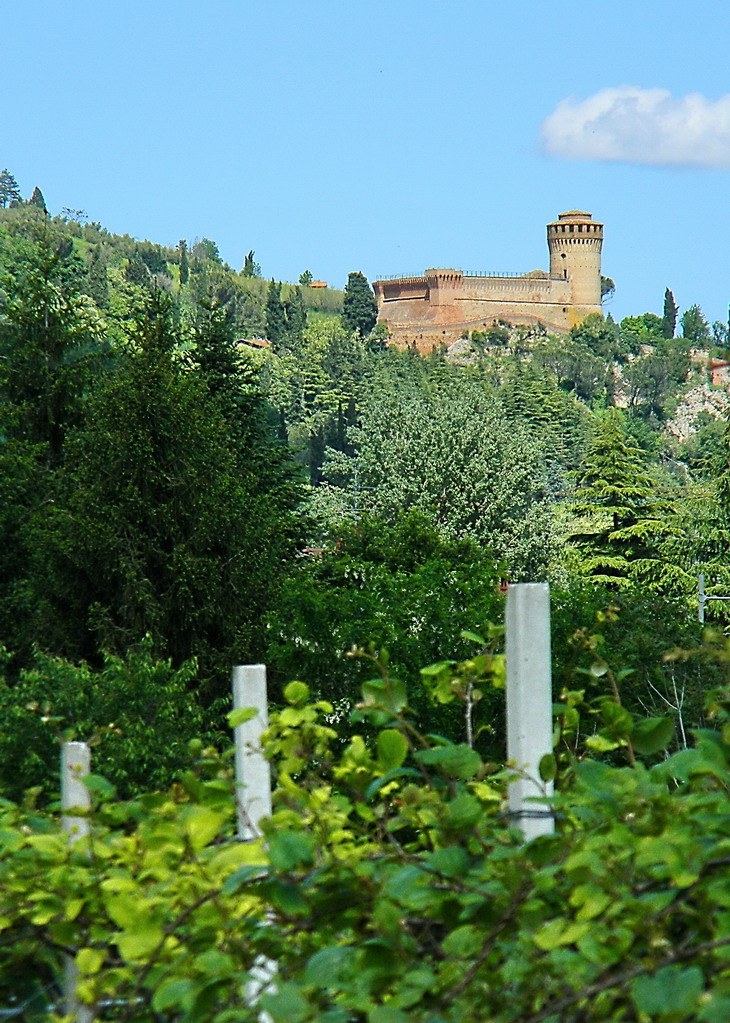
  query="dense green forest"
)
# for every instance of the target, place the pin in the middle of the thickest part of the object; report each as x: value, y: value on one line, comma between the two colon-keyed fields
x: 201, y: 467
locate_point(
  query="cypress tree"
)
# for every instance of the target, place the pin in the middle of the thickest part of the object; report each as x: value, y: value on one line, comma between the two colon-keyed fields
x: 669, y: 319
x: 37, y: 199
x: 184, y: 265
x: 275, y: 315
x: 296, y: 317
x: 694, y: 326
x: 137, y: 272
x: 250, y: 267
x: 216, y: 352
x: 97, y: 283
x: 359, y: 307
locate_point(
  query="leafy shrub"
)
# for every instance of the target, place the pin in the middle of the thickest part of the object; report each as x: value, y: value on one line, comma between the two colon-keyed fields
x: 139, y: 712
x: 390, y: 886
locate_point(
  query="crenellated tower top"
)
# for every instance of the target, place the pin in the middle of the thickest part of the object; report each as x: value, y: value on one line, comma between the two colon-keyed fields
x: 575, y: 241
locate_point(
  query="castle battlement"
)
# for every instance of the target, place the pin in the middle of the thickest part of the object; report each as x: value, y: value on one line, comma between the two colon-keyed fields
x: 441, y: 303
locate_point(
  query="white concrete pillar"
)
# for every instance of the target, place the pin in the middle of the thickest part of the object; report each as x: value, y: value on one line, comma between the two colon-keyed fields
x: 253, y: 795
x: 75, y: 765
x: 253, y: 774
x: 529, y: 703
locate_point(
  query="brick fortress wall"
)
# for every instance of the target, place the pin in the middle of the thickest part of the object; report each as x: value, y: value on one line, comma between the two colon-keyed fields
x: 440, y: 305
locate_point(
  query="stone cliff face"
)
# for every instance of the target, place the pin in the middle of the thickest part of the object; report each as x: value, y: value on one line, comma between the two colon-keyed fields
x: 438, y: 306
x: 701, y: 398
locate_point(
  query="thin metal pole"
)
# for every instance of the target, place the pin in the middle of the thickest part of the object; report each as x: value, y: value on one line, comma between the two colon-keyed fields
x: 75, y: 765
x: 701, y: 603
x: 529, y: 703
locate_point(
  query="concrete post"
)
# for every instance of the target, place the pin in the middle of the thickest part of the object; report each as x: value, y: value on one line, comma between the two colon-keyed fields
x: 529, y: 703
x: 253, y: 795
x: 75, y: 765
x: 253, y: 774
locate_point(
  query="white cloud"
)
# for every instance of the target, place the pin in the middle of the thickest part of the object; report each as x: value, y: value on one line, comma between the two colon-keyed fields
x: 641, y: 126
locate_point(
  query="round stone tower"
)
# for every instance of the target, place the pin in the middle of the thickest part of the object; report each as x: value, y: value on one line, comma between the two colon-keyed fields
x: 575, y: 242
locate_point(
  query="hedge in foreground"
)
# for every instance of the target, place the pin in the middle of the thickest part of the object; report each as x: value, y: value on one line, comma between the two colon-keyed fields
x: 390, y: 887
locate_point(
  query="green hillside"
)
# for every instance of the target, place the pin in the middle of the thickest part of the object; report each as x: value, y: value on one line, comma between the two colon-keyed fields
x: 200, y: 467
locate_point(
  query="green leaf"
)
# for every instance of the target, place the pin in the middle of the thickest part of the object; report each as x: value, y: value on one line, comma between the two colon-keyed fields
x: 548, y: 767
x: 288, y: 898
x: 413, y: 985
x: 241, y: 877
x: 685, y: 764
x: 464, y: 811
x: 438, y: 668
x: 201, y: 825
x: 671, y: 991
x: 618, y: 720
x: 241, y: 716
x: 287, y: 1004
x: 462, y: 942
x: 51, y: 846
x: 296, y: 693
x: 139, y: 943
x: 327, y: 967
x: 591, y: 900
x: 716, y: 1009
x: 460, y: 761
x: 123, y: 910
x: 215, y: 963
x: 596, y: 776
x: 397, y: 772
x: 290, y: 849
x: 650, y: 735
x: 451, y: 861
x: 10, y: 841
x: 558, y: 932
x: 390, y: 694
x: 172, y: 993
x: 90, y: 960
x: 100, y: 786
x: 499, y: 671
x: 601, y: 744
x: 410, y: 887
x: 473, y: 637
x: 392, y: 748
x: 386, y: 1014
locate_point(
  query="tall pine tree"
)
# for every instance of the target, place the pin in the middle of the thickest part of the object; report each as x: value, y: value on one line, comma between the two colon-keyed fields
x: 624, y: 523
x: 160, y: 526
x: 9, y: 191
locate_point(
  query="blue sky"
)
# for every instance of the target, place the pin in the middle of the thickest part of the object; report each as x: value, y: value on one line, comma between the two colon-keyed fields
x: 386, y: 137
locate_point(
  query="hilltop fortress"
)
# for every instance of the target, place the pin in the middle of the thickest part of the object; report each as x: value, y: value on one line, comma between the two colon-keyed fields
x: 440, y: 305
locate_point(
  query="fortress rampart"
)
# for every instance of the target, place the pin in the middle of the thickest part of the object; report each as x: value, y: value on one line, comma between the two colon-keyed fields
x: 441, y: 304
